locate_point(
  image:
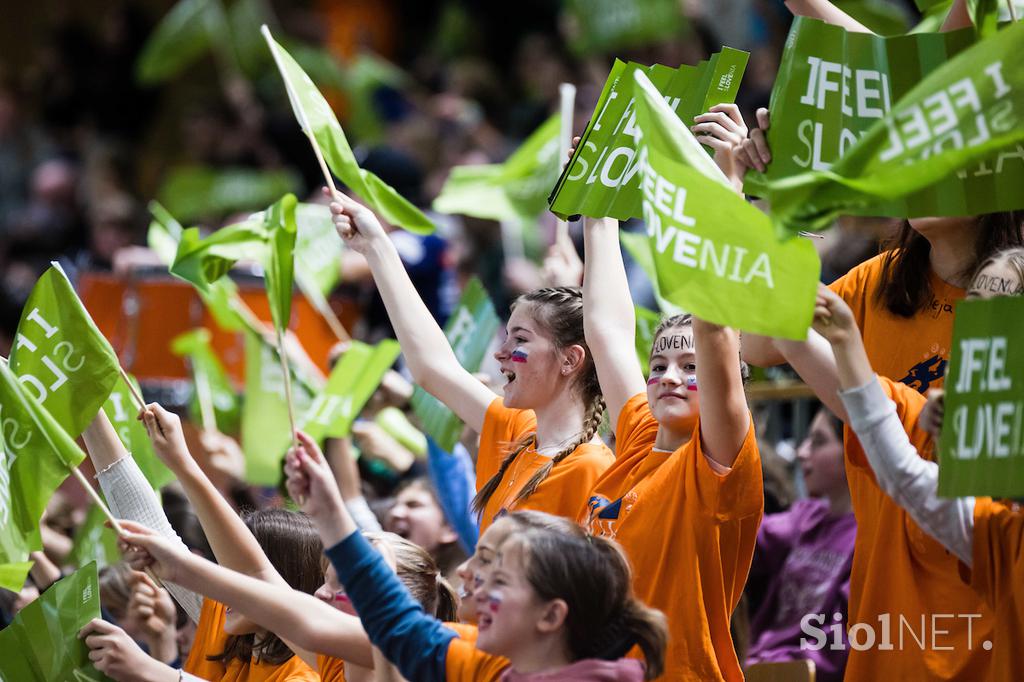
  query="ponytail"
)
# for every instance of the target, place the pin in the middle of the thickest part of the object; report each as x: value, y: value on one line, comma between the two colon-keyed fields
x: 447, y: 608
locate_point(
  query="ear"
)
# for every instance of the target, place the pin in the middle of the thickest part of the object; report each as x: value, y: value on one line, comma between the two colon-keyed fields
x: 553, y: 615
x: 573, y: 358
x: 448, y: 535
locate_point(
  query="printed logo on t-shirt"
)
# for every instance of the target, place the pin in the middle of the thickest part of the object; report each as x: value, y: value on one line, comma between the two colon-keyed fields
x: 939, y: 307
x: 921, y: 375
x: 604, y: 515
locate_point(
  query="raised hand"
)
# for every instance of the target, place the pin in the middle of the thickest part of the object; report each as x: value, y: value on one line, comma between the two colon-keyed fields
x: 933, y: 411
x: 356, y: 224
x: 144, y: 548
x: 722, y: 128
x: 152, y: 610
x: 311, y: 482
x: 563, y: 266
x: 117, y: 656
x: 168, y: 438
x: 833, y: 319
x: 754, y: 151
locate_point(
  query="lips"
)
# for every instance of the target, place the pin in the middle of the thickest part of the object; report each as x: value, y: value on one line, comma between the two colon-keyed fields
x: 483, y: 620
x: 673, y: 394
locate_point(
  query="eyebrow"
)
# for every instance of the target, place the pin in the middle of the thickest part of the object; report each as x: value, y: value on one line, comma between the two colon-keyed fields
x: 659, y: 356
x: 513, y: 330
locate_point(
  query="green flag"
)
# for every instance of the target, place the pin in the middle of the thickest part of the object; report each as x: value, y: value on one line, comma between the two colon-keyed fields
x: 37, y: 456
x: 949, y: 145
x: 60, y: 354
x: 181, y: 38
x: 716, y: 257
x: 601, y: 26
x: 317, y: 119
x: 209, y: 375
x: 603, y: 176
x: 318, y: 249
x: 981, y: 451
x: 164, y: 233
x: 514, y: 190
x: 192, y: 192
x: 638, y: 246
x: 470, y: 331
x: 354, y: 378
x: 265, y: 425
x: 267, y: 238
x: 41, y: 644
x: 394, y: 423
x: 122, y: 413
x: 94, y: 541
x: 646, y: 322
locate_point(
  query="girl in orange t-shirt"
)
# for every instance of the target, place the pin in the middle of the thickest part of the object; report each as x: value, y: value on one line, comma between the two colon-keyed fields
x: 685, y: 496
x: 539, y: 447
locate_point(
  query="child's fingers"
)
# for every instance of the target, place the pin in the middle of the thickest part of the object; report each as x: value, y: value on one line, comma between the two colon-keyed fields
x: 763, y: 119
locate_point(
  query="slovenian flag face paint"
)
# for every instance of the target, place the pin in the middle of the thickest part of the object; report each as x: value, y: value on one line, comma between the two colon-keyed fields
x: 493, y: 601
x: 691, y: 382
x: 519, y: 355
x: 655, y: 378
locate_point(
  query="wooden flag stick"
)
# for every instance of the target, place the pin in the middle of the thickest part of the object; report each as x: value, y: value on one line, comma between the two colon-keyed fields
x: 567, y: 100
x: 320, y: 304
x: 287, y: 385
x: 139, y: 402
x: 204, y: 395
x: 1013, y: 10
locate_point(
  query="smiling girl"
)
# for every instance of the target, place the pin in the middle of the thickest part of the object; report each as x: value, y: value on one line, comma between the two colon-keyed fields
x: 538, y: 444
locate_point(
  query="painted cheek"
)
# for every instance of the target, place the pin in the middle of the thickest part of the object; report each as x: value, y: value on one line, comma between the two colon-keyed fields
x: 653, y: 380
x: 493, y: 602
x: 519, y: 355
x: 691, y: 383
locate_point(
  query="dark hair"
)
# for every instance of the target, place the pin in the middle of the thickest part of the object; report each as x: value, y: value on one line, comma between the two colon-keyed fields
x: 685, y: 320
x: 292, y: 544
x: 591, y: 575
x: 559, y: 310
x: 1014, y: 258
x: 905, y: 288
x: 419, y: 573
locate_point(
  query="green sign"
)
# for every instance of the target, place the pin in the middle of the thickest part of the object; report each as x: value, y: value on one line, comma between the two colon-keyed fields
x: 608, y: 25
x: 917, y: 125
x: 981, y: 450
x: 646, y: 322
x: 470, y: 330
x: 603, y: 176
x: 41, y: 644
x: 716, y: 256
x: 122, y: 413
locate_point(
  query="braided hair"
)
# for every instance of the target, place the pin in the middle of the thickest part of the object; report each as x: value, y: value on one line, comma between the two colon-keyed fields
x: 559, y: 311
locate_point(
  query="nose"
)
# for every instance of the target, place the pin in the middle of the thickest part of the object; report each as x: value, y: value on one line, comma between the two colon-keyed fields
x: 324, y: 594
x: 464, y: 573
x: 803, y: 452
x: 502, y: 352
x: 673, y: 375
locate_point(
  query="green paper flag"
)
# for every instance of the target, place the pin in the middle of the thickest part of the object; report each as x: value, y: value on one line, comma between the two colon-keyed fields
x: 397, y: 425
x: 60, y: 355
x: 122, y: 413
x: 192, y: 192
x: 41, y: 644
x: 717, y: 257
x: 603, y: 176
x: 164, y: 233
x: 317, y: 119
x: 181, y: 38
x: 37, y: 455
x: 355, y: 377
x: 638, y: 246
x: 949, y: 145
x: 94, y: 541
x: 265, y: 426
x: 470, y: 331
x: 514, y: 190
x: 981, y: 451
x: 606, y: 25
x: 318, y: 250
x: 646, y: 322
x: 208, y: 374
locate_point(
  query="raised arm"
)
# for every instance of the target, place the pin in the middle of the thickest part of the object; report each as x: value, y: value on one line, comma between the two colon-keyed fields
x: 230, y: 539
x: 724, y: 416
x: 609, y: 319
x: 427, y: 354
x: 827, y: 12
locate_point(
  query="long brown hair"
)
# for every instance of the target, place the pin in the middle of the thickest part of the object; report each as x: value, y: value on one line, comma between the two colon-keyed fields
x: 591, y: 575
x: 905, y: 287
x: 420, y: 575
x: 559, y: 311
x: 292, y: 544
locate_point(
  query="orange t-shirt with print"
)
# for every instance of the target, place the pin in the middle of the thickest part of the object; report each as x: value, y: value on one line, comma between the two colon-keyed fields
x: 466, y: 663
x: 902, y: 574
x: 912, y: 350
x: 689, y: 533
x: 210, y: 639
x: 330, y: 668
x: 566, y: 486
x: 997, y: 573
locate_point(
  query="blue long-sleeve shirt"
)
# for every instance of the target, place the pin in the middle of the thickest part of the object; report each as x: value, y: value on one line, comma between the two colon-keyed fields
x: 415, y: 642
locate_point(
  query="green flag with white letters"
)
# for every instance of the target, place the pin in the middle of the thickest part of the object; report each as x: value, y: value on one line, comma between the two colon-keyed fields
x: 717, y: 256
x: 60, y: 355
x: 122, y: 413
x: 603, y: 176
x: 981, y: 450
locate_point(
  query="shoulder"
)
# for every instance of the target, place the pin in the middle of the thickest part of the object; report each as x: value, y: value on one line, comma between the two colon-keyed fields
x: 501, y: 418
x: 637, y: 428
x: 861, y: 279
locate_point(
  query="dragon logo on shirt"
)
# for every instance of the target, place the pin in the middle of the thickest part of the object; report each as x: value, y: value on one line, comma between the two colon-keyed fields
x: 921, y: 375
x: 604, y: 515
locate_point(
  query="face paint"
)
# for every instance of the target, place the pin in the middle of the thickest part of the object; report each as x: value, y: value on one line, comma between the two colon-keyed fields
x: 691, y: 382
x: 494, y: 601
x: 674, y: 341
x: 519, y: 355
x: 654, y: 380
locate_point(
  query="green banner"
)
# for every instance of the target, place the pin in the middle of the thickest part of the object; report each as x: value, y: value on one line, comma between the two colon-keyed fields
x: 210, y: 377
x: 193, y: 192
x: 638, y: 246
x: 60, y: 355
x: 919, y: 125
x: 94, y: 541
x: 265, y: 427
x: 601, y: 26
x: 164, y: 233
x: 603, y: 176
x: 122, y: 412
x: 981, y: 451
x: 37, y: 455
x: 316, y: 117
x: 716, y: 257
x: 470, y: 331
x: 41, y: 644
x: 354, y: 378
x: 181, y: 38
x: 646, y: 322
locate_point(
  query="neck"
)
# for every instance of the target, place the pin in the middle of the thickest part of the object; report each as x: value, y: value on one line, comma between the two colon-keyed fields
x: 558, y: 423
x: 951, y: 255
x: 548, y: 653
x: 357, y: 673
x: 839, y: 502
x: 675, y: 436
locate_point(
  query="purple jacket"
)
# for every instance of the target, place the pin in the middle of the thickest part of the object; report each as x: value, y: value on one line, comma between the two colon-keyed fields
x: 587, y: 670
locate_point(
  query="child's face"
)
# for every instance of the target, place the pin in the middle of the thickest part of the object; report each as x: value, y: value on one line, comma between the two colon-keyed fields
x: 672, y: 383
x: 509, y: 615
x: 995, y: 279
x: 333, y: 593
x: 821, y: 458
x: 417, y: 517
x: 474, y: 571
x: 530, y: 362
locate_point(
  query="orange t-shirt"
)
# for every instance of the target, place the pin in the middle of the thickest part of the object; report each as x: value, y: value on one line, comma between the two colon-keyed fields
x: 998, y: 576
x: 689, y: 533
x: 209, y: 641
x: 330, y: 669
x: 564, y: 490
x: 912, y: 350
x: 466, y: 663
x: 902, y: 575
